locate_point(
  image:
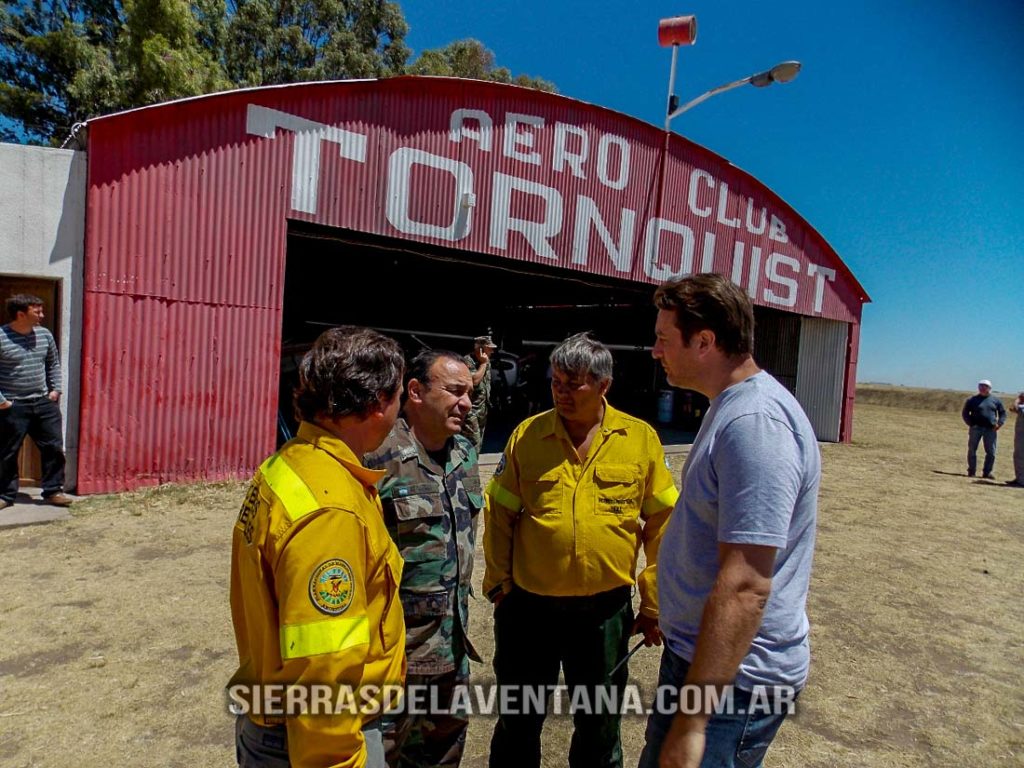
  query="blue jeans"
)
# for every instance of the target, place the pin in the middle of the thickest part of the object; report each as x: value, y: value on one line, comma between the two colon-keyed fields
x: 732, y: 740
x: 977, y: 435
x: 258, y: 746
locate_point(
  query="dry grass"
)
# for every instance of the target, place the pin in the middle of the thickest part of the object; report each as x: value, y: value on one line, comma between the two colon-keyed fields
x: 117, y: 641
x: 913, y: 398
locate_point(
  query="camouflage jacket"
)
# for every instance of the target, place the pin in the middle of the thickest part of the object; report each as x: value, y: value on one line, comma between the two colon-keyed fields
x: 482, y: 391
x: 423, y: 504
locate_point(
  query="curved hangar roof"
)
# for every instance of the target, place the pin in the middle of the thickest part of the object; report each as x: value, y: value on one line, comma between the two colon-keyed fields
x: 187, y: 224
x: 470, y: 165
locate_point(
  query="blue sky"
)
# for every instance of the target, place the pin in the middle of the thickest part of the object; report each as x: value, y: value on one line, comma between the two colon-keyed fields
x: 902, y: 142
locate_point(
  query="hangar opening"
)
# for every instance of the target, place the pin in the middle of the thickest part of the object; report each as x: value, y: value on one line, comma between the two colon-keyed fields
x: 431, y: 297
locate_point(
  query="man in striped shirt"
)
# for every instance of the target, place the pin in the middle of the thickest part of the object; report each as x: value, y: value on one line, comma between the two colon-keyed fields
x: 29, y: 399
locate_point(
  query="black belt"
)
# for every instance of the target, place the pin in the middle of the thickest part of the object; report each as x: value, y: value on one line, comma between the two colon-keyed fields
x: 613, y: 598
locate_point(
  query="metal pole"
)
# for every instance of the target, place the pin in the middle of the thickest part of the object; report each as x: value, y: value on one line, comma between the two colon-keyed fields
x: 626, y: 658
x: 671, y: 87
x: 708, y: 94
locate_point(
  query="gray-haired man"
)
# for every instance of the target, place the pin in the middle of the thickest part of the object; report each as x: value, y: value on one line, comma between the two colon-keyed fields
x: 984, y: 414
x: 579, y: 489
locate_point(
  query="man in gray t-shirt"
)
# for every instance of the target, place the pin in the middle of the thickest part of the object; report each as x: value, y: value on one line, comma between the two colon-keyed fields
x: 736, y: 556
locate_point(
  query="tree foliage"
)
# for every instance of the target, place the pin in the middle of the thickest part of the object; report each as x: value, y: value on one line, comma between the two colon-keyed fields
x: 64, y: 61
x: 160, y: 48
x: 57, y: 62
x: 286, y: 41
x: 471, y: 59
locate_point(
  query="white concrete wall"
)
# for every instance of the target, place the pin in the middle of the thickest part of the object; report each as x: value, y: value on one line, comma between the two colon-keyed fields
x: 42, y: 234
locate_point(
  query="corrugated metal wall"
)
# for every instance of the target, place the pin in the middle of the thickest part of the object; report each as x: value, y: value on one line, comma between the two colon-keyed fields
x: 820, y: 378
x: 182, y: 310
x: 186, y: 237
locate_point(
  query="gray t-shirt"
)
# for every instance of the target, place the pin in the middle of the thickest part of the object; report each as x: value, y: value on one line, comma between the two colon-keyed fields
x: 752, y: 477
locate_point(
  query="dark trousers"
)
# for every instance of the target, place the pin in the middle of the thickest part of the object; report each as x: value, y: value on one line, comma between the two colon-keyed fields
x: 585, y: 636
x: 986, y: 436
x: 428, y: 740
x: 39, y: 418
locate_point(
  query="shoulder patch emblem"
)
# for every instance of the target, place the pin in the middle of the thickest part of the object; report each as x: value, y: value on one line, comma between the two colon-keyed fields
x: 332, y: 587
x: 501, y: 466
x: 247, y: 514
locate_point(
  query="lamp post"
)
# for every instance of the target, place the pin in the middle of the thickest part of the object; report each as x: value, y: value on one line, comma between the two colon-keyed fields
x: 682, y: 30
x: 782, y: 72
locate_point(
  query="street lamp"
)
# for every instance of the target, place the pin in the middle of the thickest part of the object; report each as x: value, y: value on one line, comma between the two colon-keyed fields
x: 782, y: 72
x: 682, y: 30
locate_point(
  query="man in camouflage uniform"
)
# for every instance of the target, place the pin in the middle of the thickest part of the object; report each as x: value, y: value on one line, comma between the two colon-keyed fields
x: 479, y: 363
x: 431, y: 496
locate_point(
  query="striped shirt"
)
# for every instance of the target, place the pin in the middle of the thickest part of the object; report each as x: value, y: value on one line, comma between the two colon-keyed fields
x: 29, y: 364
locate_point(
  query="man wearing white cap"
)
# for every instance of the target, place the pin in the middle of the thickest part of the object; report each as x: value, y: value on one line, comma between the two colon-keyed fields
x: 984, y: 414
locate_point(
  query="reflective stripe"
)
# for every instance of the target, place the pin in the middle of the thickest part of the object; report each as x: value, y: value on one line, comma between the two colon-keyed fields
x: 327, y: 636
x: 298, y: 500
x: 659, y: 501
x: 504, y: 496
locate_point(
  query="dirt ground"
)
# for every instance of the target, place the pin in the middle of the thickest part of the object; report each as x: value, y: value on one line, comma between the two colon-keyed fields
x: 116, y: 642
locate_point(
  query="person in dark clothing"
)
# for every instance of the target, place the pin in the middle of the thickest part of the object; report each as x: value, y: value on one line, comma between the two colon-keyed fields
x: 1018, y: 442
x: 984, y: 414
x: 30, y: 387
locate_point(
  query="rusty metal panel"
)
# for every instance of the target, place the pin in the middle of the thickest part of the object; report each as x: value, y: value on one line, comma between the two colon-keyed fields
x: 189, y: 203
x: 821, y: 374
x: 850, y: 386
x: 175, y: 391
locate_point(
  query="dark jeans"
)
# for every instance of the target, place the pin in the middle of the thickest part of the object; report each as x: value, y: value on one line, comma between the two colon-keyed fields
x: 987, y: 436
x: 415, y: 740
x: 739, y: 739
x: 39, y: 418
x: 585, y: 636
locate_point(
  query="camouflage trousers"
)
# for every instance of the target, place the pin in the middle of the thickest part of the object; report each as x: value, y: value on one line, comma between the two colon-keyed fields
x: 419, y: 740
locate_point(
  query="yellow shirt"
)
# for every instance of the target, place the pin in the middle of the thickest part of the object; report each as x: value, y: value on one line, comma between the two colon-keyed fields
x: 556, y: 525
x: 314, y: 578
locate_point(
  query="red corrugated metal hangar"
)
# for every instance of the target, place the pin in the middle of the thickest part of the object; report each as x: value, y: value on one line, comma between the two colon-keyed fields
x: 223, y: 233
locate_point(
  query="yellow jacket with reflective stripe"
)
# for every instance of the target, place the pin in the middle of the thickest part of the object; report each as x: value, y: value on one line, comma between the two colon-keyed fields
x: 314, y: 578
x: 556, y: 525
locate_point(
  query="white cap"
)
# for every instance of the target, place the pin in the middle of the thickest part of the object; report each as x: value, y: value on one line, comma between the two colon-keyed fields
x: 985, y: 383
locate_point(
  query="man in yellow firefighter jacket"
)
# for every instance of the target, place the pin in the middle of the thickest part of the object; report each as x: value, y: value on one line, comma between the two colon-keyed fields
x: 579, y: 489
x: 314, y: 573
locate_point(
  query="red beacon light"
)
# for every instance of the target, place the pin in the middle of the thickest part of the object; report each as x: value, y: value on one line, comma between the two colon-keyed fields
x: 678, y: 30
